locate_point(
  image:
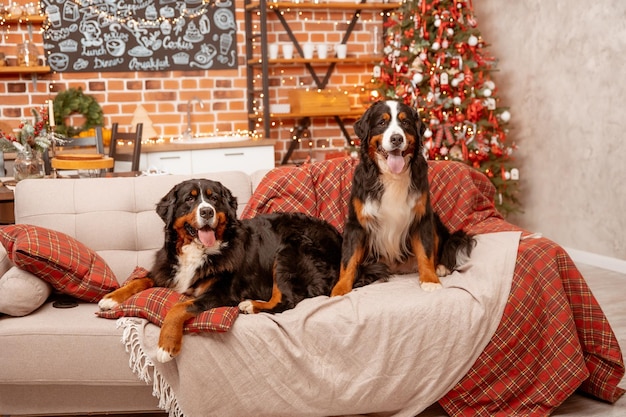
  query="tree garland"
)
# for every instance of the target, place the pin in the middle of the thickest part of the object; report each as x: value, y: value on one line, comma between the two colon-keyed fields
x: 71, y: 101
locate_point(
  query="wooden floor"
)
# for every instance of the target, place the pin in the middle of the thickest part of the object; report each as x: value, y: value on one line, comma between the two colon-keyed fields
x: 609, y: 289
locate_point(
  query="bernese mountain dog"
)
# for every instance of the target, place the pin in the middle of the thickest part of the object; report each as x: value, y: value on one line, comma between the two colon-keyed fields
x: 268, y: 263
x: 390, y: 218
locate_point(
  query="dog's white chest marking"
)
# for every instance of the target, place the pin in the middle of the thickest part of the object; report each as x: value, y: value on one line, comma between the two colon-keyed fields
x: 191, y: 258
x: 392, y: 218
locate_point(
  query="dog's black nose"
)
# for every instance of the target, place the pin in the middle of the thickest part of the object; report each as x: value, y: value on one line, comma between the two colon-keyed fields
x: 397, y: 139
x: 207, y: 212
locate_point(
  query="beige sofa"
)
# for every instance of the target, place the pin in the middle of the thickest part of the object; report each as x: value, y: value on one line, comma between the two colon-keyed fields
x: 63, y: 361
x: 67, y: 360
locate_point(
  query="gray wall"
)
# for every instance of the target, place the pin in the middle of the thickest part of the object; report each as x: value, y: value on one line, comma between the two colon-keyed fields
x: 562, y: 70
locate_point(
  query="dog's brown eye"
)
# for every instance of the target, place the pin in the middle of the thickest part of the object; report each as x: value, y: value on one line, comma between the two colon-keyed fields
x: 190, y: 198
x: 382, y: 122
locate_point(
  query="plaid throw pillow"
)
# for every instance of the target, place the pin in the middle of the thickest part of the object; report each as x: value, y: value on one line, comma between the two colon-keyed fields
x: 67, y: 264
x: 154, y: 303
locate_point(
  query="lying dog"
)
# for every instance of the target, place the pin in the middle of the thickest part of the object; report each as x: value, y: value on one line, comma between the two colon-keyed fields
x: 222, y: 261
x: 390, y: 219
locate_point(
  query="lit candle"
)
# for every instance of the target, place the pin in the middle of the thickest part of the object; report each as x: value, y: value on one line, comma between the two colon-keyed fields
x: 51, y: 113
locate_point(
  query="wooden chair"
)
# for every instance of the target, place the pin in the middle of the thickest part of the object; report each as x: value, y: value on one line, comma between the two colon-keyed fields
x: 83, y: 154
x: 130, y: 151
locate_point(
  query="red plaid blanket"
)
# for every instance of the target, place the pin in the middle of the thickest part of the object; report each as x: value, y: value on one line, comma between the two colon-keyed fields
x: 553, y: 337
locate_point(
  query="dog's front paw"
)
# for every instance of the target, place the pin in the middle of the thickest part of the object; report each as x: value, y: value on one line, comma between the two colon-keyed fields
x: 430, y: 286
x: 340, y: 289
x: 107, y: 303
x: 163, y: 355
x: 246, y: 307
x: 442, y: 271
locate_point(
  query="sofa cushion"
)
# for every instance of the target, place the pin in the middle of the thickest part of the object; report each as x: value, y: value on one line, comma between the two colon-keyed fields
x: 67, y: 264
x: 21, y: 292
x: 154, y: 303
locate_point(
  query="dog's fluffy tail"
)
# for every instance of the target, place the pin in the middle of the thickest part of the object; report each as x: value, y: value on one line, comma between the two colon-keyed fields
x: 455, y: 249
x: 368, y: 273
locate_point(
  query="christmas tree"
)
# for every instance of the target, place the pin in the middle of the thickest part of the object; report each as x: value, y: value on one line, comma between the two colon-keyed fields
x: 435, y: 60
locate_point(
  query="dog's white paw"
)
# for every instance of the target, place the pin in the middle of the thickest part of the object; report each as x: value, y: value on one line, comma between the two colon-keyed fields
x: 246, y: 307
x: 442, y: 271
x: 430, y: 286
x: 163, y: 356
x: 107, y: 304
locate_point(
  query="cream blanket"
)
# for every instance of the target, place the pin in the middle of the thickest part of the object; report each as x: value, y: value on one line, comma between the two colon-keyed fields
x: 387, y: 348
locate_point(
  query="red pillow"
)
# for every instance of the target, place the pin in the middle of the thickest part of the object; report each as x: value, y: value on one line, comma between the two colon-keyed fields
x: 67, y: 264
x: 154, y: 303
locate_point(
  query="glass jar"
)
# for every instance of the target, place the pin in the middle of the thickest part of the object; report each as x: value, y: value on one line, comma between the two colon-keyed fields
x: 28, y: 164
x: 27, y: 54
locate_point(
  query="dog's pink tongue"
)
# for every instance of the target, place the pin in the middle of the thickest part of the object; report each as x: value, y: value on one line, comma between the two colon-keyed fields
x: 395, y: 162
x: 207, y: 237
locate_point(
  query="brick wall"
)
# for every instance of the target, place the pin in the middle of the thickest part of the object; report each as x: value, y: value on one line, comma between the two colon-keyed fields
x: 165, y: 94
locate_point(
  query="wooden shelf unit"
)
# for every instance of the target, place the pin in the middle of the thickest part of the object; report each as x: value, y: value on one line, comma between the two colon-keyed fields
x: 256, y: 15
x: 29, y: 20
x: 39, y: 69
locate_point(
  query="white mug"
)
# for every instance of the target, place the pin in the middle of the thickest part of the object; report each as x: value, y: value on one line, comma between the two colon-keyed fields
x: 308, y: 49
x: 288, y: 50
x: 273, y: 50
x: 341, y: 50
x: 322, y: 51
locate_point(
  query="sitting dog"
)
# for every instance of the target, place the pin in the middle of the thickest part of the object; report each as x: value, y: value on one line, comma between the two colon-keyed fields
x: 390, y: 219
x: 222, y: 261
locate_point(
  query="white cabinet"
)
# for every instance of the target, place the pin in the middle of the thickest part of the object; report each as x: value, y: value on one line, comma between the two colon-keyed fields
x: 175, y: 162
x: 247, y: 159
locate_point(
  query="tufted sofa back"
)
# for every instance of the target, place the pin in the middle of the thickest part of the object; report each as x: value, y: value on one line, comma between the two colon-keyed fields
x: 114, y: 216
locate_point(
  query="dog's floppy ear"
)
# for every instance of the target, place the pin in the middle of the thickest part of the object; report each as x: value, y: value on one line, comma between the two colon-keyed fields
x: 230, y: 200
x: 165, y: 207
x: 362, y: 126
x: 421, y: 126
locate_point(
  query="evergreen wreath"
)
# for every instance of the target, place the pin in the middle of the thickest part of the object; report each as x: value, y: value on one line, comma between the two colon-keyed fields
x: 71, y: 101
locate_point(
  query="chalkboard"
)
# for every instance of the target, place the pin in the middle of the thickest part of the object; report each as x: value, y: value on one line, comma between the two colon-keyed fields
x: 140, y: 35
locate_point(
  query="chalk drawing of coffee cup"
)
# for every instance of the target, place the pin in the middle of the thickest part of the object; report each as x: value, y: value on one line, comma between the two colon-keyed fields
x: 224, y: 19
x: 58, y: 61
x: 115, y: 47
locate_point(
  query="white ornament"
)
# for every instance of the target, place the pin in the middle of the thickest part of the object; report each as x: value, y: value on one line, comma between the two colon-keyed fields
x: 515, y: 174
x: 489, y: 84
x: 487, y: 92
x: 454, y: 82
x: 505, y: 116
x: 445, y: 44
x: 428, y: 133
x: 435, y: 46
x: 450, y: 31
x: 418, y: 77
x: 423, y: 56
x: 456, y: 100
x: 472, y: 41
x: 437, y: 23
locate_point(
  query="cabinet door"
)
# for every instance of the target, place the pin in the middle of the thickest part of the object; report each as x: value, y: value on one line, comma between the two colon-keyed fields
x: 178, y: 162
x: 245, y: 159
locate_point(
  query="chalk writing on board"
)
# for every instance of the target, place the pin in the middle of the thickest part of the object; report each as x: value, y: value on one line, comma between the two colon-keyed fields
x: 140, y: 35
